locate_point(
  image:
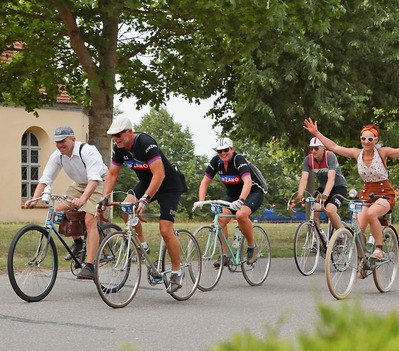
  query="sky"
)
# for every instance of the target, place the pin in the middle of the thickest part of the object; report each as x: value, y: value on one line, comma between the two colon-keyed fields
x: 189, y: 115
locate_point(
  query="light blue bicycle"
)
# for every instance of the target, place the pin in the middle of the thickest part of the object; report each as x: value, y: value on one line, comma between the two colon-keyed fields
x: 209, y: 238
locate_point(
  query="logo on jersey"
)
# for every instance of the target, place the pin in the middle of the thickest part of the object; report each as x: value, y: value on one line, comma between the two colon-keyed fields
x: 228, y: 179
x: 139, y: 166
x: 150, y: 147
x: 241, y: 165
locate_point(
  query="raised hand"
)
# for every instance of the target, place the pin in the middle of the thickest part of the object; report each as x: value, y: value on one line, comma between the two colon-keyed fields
x: 310, y: 126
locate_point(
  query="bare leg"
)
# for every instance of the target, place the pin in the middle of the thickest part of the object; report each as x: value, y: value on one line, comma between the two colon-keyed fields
x: 171, y: 242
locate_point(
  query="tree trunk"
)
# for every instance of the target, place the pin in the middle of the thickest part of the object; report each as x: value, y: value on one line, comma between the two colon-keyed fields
x: 100, y: 118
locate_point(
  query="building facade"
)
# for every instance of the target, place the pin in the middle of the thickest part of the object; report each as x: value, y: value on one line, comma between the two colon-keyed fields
x: 27, y: 143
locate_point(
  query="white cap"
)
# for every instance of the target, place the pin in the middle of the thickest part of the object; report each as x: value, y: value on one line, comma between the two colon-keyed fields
x: 224, y: 143
x: 315, y: 142
x: 119, y: 124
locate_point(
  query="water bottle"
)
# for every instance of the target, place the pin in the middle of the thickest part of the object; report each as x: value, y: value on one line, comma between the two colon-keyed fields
x: 237, y: 238
x: 46, y: 194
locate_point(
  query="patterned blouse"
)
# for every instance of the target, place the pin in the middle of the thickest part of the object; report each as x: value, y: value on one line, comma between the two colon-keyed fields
x: 376, y: 172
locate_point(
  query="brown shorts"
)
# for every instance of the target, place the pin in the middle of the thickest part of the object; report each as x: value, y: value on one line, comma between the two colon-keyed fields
x: 378, y: 188
x: 76, y: 190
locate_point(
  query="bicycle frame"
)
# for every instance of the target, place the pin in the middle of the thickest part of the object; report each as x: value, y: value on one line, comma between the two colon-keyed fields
x: 355, y: 207
x: 234, y: 256
x: 132, y: 235
x: 49, y: 225
x: 312, y: 220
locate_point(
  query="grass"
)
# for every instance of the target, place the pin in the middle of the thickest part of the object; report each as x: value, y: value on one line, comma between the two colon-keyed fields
x: 281, y: 237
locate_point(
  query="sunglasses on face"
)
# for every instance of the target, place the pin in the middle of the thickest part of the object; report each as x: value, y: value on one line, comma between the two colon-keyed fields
x: 224, y: 150
x: 118, y: 135
x: 370, y: 139
x: 314, y: 148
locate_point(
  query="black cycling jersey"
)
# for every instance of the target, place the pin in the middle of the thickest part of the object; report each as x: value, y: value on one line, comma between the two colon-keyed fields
x: 143, y: 152
x: 232, y: 177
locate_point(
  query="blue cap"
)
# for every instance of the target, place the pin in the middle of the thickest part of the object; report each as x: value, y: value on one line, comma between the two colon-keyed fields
x: 62, y: 132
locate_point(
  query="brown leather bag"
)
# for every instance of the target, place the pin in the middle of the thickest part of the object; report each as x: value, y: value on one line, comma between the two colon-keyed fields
x: 73, y: 223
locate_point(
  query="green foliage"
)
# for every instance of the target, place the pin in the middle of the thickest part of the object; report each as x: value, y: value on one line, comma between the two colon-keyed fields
x: 343, y: 329
x: 347, y: 328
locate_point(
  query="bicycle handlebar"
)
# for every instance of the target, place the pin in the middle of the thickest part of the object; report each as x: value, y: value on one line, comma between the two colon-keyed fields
x: 211, y: 202
x: 371, y: 197
x: 100, y: 212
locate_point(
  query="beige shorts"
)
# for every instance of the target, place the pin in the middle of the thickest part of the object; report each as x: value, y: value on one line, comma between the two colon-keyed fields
x: 76, y: 190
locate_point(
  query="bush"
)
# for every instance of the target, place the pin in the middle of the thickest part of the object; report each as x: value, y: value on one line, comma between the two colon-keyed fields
x: 347, y: 329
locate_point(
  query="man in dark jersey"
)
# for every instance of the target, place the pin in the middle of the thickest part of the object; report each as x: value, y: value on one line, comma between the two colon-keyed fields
x: 324, y: 165
x: 158, y: 180
x: 246, y: 197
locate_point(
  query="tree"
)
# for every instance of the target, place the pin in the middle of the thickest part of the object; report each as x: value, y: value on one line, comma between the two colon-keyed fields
x: 344, y: 75
x: 150, y: 48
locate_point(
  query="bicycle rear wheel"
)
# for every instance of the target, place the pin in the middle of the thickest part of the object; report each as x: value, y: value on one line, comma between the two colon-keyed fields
x: 385, y: 273
x: 211, y: 249
x: 341, y: 263
x: 117, y: 270
x: 109, y: 228
x: 32, y: 263
x: 103, y: 231
x: 256, y: 273
x: 306, y: 248
x: 190, y: 264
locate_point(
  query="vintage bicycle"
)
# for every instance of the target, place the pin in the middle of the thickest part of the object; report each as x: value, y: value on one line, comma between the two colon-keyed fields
x: 32, y: 261
x: 118, y: 265
x: 349, y: 256
x: 209, y: 238
x: 310, y: 242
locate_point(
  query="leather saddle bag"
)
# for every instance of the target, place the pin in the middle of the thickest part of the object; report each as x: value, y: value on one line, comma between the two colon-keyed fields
x: 73, y: 223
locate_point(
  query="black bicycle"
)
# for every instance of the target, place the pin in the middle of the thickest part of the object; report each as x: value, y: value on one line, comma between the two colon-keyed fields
x: 32, y: 261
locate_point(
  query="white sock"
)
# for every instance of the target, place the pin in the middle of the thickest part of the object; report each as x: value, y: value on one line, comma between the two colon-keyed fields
x: 177, y: 272
x: 145, y: 245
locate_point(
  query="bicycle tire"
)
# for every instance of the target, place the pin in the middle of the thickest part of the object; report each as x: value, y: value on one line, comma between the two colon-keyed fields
x: 341, y: 263
x: 255, y: 274
x: 117, y: 270
x: 31, y: 279
x: 211, y: 249
x: 109, y: 228
x: 306, y: 248
x: 384, y: 274
x: 190, y: 264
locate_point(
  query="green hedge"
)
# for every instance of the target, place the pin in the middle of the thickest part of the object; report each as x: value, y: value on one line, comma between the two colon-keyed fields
x: 345, y: 329
x: 348, y: 328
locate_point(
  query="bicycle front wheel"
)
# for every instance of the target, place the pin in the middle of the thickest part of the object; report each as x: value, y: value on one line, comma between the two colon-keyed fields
x: 190, y: 264
x: 117, y: 270
x: 211, y: 249
x: 385, y: 272
x: 256, y: 273
x: 341, y: 263
x: 32, y: 263
x: 306, y: 248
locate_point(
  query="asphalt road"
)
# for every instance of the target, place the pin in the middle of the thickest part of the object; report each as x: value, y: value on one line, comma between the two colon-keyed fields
x: 73, y: 316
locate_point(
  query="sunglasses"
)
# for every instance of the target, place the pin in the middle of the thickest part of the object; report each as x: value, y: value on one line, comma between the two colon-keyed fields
x: 314, y: 148
x: 224, y: 150
x: 370, y: 139
x: 118, y: 135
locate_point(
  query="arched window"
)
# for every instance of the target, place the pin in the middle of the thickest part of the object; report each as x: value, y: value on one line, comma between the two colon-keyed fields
x: 30, y: 162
